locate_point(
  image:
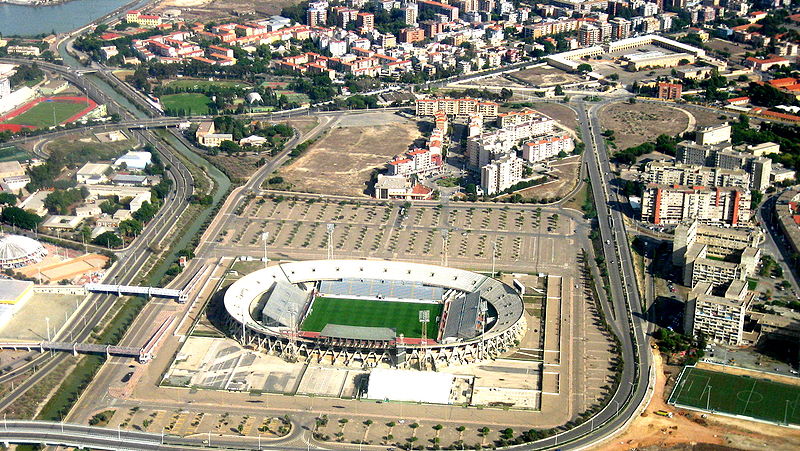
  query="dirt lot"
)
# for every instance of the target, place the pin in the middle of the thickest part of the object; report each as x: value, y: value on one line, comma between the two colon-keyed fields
x: 735, y: 49
x: 642, y: 122
x: 688, y: 428
x: 545, y: 76
x: 210, y: 9
x: 341, y: 163
x: 561, y: 113
x: 705, y: 118
x: 567, y: 173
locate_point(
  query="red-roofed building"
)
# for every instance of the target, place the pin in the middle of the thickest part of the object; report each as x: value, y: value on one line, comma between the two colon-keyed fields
x: 110, y: 36
x: 738, y: 101
x: 764, y: 64
x: 670, y: 91
x: 144, y: 20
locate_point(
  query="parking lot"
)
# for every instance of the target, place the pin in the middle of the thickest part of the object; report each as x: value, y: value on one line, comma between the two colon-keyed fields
x: 524, y: 238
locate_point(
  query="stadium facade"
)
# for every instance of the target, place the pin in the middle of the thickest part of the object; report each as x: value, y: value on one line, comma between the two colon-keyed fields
x: 368, y: 313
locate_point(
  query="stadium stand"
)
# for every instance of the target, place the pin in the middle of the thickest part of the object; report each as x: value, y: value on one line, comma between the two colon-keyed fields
x: 381, y: 289
x: 462, y: 318
x: 284, y: 305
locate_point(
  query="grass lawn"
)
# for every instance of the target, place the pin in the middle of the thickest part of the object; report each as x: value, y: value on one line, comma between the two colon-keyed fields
x: 41, y: 115
x: 746, y: 396
x: 12, y: 153
x: 296, y: 97
x: 403, y: 317
x: 202, y: 85
x: 191, y: 103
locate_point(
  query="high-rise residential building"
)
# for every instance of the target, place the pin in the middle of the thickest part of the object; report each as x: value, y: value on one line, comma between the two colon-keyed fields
x: 344, y: 16
x: 365, y: 22
x: 317, y: 14
x: 718, y: 318
x: 588, y: 35
x: 669, y: 173
x: 620, y: 28
x: 410, y: 13
x: 713, y: 134
x: 662, y: 204
x: 501, y: 174
x: 546, y: 147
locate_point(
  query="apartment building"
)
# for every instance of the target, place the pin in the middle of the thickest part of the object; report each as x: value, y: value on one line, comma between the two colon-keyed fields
x: 722, y: 242
x: 488, y: 146
x: 27, y: 50
x: 501, y: 174
x: 143, y: 20
x: 713, y: 134
x: 365, y: 22
x: 589, y: 35
x: 456, y: 107
x: 417, y: 161
x: 718, y: 318
x: 670, y: 91
x: 664, y: 204
x: 317, y: 14
x: 700, y: 267
x: 669, y: 173
x: 547, y: 147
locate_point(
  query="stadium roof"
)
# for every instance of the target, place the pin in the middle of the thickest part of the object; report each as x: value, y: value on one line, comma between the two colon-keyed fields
x: 462, y: 317
x: 19, y: 250
x: 284, y: 303
x: 406, y: 385
x: 358, y: 332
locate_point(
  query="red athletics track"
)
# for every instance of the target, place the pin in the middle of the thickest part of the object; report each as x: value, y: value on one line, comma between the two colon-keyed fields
x: 71, y: 99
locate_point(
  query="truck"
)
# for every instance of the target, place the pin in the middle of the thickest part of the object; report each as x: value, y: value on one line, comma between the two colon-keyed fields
x: 664, y: 413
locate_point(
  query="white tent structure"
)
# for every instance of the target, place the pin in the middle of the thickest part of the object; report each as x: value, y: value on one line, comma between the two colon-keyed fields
x: 406, y: 385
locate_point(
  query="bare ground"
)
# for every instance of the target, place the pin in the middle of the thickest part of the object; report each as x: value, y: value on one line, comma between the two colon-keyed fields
x: 635, y: 124
x: 342, y: 162
x: 567, y: 173
x: 215, y: 9
x: 688, y: 428
x: 545, y: 76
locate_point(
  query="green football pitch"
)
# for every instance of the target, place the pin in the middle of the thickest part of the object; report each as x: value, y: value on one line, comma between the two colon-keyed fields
x: 403, y: 317
x: 752, y: 397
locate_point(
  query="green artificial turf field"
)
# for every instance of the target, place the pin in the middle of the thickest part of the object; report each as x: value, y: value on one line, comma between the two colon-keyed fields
x: 401, y: 316
x: 752, y: 397
x: 41, y: 115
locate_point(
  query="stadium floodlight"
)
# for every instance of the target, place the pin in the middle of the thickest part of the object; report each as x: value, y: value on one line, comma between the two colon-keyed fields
x: 494, y: 255
x: 445, y: 238
x: 265, y: 237
x: 330, y: 228
x: 424, y: 318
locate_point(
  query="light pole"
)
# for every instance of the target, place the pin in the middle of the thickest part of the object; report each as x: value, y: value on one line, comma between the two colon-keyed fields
x: 265, y: 236
x: 708, y: 400
x: 330, y: 228
x: 47, y: 322
x: 494, y: 255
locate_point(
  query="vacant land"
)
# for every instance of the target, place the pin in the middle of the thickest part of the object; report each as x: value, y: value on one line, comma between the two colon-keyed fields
x: 48, y: 114
x: 561, y: 113
x: 87, y: 143
x: 204, y: 10
x: 734, y: 48
x: 704, y: 118
x: 403, y: 317
x: 342, y: 162
x: 190, y: 103
x: 545, y: 76
x: 642, y: 122
x: 745, y: 396
x: 566, y: 172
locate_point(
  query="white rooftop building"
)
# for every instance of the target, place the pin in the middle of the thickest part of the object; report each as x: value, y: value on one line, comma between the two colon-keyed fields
x: 407, y: 385
x: 134, y: 160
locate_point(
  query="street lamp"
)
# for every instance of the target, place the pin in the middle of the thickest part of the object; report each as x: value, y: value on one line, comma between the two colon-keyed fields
x: 265, y: 236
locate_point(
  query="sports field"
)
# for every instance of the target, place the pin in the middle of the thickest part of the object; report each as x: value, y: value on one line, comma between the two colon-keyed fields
x: 190, y: 102
x: 757, y: 398
x: 403, y: 317
x: 48, y: 113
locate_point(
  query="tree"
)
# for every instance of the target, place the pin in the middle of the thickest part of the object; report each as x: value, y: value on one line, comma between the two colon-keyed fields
x: 584, y: 68
x: 229, y: 147
x: 130, y: 227
x: 7, y: 199
x: 559, y: 91
x: 108, y: 239
x: 20, y: 218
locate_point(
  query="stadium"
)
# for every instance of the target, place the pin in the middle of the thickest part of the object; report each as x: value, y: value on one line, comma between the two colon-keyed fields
x: 368, y: 313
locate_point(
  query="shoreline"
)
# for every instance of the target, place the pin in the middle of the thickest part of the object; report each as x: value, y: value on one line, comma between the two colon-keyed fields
x: 34, y: 3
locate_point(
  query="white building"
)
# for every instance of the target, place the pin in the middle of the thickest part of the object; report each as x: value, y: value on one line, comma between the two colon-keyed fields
x: 134, y: 160
x: 501, y: 174
x: 546, y: 147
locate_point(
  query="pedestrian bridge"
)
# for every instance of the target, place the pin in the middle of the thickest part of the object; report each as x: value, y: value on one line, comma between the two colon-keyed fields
x: 135, y: 290
x: 75, y: 348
